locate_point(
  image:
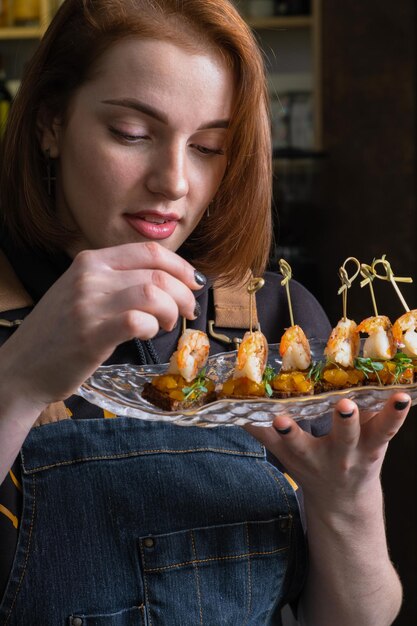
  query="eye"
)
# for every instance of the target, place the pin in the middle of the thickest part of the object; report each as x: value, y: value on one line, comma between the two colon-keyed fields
x: 208, y: 151
x: 127, y: 137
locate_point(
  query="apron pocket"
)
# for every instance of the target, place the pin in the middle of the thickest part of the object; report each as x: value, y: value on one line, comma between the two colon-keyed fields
x: 129, y: 617
x: 231, y: 574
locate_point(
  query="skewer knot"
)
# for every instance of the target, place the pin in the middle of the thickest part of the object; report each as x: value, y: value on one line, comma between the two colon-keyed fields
x: 286, y: 271
x: 344, y: 277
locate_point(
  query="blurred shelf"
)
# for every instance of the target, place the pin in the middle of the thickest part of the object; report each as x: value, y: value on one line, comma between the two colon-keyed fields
x: 34, y: 29
x: 308, y: 29
x: 21, y: 32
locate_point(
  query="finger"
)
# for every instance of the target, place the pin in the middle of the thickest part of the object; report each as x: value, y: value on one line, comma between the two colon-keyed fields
x: 112, y: 287
x: 151, y: 299
x: 385, y: 425
x: 267, y: 436
x: 346, y: 429
x: 150, y: 283
x: 147, y: 299
x: 125, y: 326
x: 149, y: 255
x: 288, y: 439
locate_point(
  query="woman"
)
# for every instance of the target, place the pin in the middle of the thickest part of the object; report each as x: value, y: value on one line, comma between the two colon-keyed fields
x: 136, y: 162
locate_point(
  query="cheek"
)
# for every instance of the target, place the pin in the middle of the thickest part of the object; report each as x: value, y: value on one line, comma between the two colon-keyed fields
x: 97, y: 173
x: 209, y: 182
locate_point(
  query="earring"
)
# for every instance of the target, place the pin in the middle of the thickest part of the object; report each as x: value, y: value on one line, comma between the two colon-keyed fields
x: 50, y: 178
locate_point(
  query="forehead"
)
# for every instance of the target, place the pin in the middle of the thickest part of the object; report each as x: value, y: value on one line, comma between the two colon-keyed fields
x: 164, y: 72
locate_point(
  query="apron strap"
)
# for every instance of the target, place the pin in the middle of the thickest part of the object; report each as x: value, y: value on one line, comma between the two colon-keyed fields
x: 231, y: 307
x: 14, y: 296
x: 232, y: 310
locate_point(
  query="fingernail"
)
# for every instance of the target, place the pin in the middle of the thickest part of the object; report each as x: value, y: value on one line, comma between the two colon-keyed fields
x: 199, y: 278
x: 284, y: 431
x: 344, y: 415
x: 197, y: 310
x: 400, y: 406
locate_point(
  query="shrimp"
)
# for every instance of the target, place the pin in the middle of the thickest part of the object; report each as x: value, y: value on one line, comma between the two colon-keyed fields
x: 404, y: 332
x: 252, y: 357
x: 380, y: 344
x: 191, y: 354
x: 294, y: 349
x: 343, y: 344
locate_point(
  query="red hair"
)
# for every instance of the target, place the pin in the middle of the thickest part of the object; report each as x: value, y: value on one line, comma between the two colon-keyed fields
x: 237, y: 234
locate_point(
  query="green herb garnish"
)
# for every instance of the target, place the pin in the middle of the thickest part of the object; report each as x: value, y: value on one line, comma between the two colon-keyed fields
x: 268, y: 375
x: 197, y: 388
x: 316, y: 370
x: 368, y: 366
x: 402, y: 363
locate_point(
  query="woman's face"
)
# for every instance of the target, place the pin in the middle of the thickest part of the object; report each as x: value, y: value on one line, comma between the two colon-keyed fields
x: 142, y: 151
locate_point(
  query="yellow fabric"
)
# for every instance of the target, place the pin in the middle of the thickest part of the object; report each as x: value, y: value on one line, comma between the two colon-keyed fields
x: 10, y: 515
x: 15, y: 481
x: 291, y: 481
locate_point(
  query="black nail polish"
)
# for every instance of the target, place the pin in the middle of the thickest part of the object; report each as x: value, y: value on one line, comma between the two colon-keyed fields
x: 345, y: 415
x: 199, y: 278
x: 284, y: 431
x: 197, y: 310
x: 400, y: 406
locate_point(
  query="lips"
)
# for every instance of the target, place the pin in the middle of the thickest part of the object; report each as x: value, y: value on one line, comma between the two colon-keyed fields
x: 153, y: 225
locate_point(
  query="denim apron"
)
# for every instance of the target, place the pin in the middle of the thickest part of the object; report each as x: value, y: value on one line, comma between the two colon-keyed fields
x: 130, y: 522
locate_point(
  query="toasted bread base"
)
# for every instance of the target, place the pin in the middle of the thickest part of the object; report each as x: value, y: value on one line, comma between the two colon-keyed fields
x: 281, y: 395
x: 232, y: 397
x: 164, y: 402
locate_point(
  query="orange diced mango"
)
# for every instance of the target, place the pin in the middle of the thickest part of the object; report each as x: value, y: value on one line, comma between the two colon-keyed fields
x: 292, y: 382
x: 228, y: 387
x: 165, y: 382
x: 336, y: 377
x: 255, y: 389
x: 304, y: 386
x: 242, y: 387
x: 176, y: 394
x: 281, y: 382
x: 355, y: 377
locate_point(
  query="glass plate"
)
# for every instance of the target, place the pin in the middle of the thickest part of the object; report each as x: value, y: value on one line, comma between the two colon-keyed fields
x: 118, y: 388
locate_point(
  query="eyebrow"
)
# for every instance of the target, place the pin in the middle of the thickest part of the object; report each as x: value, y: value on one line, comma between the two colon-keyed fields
x: 137, y: 105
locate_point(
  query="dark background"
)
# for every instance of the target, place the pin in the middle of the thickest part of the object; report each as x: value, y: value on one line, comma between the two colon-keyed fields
x: 359, y: 199
x: 356, y: 198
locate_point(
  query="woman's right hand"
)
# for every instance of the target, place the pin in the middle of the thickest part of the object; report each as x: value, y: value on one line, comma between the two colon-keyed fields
x: 106, y: 297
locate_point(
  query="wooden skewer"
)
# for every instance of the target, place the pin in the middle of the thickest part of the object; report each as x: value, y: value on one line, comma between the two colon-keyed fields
x: 347, y: 282
x: 369, y: 275
x: 286, y: 271
x: 393, y: 279
x: 255, y: 284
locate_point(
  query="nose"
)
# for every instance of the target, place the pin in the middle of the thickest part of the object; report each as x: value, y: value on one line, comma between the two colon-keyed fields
x: 168, y: 172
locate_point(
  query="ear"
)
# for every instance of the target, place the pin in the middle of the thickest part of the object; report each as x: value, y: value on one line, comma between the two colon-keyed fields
x: 49, y: 131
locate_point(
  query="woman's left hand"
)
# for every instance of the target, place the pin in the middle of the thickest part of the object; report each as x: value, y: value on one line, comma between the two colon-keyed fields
x: 340, y: 477
x: 346, y: 461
